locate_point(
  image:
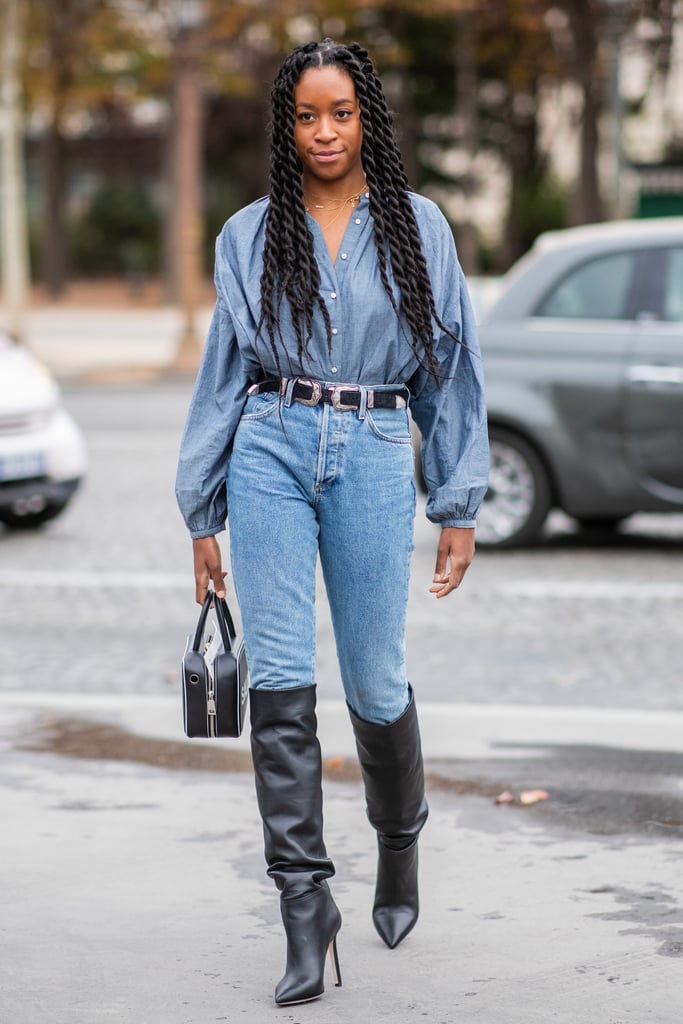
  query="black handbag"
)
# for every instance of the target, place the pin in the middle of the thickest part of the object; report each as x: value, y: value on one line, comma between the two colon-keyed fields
x: 215, y: 676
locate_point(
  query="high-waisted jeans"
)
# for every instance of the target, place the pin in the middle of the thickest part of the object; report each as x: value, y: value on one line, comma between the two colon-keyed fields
x: 304, y: 480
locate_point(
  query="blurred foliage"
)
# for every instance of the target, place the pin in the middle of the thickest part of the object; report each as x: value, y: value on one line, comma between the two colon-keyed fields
x: 540, y: 204
x: 464, y: 78
x: 119, y: 233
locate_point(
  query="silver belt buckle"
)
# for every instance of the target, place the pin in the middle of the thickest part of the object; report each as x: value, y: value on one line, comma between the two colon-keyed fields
x: 335, y: 391
x: 317, y: 391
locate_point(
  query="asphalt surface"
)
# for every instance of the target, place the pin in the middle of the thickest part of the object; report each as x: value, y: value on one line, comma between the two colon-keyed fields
x: 132, y: 875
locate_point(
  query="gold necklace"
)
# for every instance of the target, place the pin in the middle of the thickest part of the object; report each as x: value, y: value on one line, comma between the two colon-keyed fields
x: 338, y: 204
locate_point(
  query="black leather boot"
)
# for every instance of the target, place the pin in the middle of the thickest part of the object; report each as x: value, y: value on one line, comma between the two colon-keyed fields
x: 391, y: 764
x: 288, y: 770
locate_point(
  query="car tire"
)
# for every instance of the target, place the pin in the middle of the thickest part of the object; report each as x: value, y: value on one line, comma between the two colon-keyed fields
x: 519, y: 496
x: 29, y: 520
x: 600, y: 525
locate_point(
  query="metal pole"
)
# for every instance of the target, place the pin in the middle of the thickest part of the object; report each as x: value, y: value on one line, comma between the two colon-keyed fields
x: 14, y: 248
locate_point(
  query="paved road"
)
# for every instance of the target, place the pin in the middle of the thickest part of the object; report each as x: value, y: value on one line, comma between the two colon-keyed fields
x: 570, y: 623
x: 137, y: 896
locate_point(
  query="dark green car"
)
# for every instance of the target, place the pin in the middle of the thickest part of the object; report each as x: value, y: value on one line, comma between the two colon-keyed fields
x: 583, y: 354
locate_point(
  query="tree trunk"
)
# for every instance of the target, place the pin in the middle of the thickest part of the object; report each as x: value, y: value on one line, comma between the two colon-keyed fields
x: 526, y: 174
x: 586, y: 205
x: 465, y: 58
x: 53, y: 259
x: 14, y: 259
x: 187, y: 227
x: 53, y: 244
x: 170, y: 231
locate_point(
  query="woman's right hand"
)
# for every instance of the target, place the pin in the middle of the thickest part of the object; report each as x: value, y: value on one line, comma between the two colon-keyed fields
x: 208, y: 567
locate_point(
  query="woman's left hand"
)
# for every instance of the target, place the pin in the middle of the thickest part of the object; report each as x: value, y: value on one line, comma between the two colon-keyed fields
x: 453, y: 557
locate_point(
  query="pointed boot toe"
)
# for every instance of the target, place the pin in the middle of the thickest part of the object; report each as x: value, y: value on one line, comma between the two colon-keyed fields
x: 394, y: 923
x: 397, y: 905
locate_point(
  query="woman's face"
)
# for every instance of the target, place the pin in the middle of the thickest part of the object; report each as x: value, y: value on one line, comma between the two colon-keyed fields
x: 327, y: 130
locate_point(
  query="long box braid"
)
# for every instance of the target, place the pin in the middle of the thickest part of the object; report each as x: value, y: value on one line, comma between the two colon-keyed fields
x: 289, y: 266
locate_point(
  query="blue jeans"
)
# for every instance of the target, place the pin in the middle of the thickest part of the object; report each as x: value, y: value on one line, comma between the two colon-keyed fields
x: 309, y: 480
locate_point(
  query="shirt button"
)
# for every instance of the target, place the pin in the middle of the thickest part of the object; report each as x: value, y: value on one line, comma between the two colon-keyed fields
x: 334, y: 369
x: 357, y: 220
x: 335, y: 331
x: 344, y: 256
x: 333, y: 295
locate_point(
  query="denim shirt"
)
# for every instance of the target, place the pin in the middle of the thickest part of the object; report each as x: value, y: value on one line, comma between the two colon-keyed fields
x: 369, y: 347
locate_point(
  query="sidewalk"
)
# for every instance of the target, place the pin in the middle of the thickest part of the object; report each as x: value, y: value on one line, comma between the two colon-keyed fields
x: 135, y: 889
x: 83, y: 342
x: 103, y: 326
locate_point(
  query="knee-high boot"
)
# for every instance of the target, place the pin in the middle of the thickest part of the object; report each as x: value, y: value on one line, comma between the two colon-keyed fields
x: 287, y: 767
x: 391, y: 764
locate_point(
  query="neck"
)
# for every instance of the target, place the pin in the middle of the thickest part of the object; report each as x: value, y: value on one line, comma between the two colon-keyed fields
x: 333, y: 191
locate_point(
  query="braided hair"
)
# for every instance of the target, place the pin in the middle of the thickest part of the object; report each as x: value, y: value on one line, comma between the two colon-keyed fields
x: 289, y: 266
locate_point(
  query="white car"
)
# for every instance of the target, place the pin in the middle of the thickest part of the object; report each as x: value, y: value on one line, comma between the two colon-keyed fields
x: 42, y: 451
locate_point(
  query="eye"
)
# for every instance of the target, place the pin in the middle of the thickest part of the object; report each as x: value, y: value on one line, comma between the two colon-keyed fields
x: 344, y: 115
x: 305, y: 116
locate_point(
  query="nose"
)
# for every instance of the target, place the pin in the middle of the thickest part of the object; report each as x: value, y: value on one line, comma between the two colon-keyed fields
x: 327, y: 129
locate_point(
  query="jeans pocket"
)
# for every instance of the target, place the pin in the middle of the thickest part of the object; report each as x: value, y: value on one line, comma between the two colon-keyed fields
x: 389, y: 425
x: 257, y: 407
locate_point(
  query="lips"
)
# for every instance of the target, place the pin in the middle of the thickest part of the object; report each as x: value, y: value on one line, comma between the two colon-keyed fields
x: 325, y: 156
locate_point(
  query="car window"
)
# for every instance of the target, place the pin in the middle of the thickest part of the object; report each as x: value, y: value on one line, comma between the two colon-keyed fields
x: 595, y: 290
x: 673, y: 291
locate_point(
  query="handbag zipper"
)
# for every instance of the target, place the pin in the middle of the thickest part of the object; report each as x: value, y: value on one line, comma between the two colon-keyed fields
x: 211, y: 712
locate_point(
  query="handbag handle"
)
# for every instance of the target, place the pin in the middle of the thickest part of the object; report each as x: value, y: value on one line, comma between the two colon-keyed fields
x: 223, y: 617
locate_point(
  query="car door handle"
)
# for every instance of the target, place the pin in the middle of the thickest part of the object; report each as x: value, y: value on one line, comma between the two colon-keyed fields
x: 655, y: 374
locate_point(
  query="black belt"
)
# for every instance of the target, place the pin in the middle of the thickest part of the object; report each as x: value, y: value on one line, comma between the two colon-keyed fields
x: 340, y: 396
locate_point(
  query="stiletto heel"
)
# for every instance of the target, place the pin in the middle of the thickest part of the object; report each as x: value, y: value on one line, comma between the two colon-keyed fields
x: 334, y: 960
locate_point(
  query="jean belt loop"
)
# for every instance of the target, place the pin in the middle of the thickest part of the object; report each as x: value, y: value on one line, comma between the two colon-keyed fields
x: 363, y: 407
x: 287, y: 390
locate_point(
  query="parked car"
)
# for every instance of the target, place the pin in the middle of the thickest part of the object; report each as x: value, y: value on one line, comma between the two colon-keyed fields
x: 583, y: 356
x: 42, y: 452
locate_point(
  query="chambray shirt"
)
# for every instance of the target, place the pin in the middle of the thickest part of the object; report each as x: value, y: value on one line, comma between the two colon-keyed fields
x: 369, y: 347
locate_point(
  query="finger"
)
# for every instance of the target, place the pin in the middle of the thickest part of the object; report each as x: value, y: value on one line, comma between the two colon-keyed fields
x: 443, y: 587
x: 217, y: 577
x: 441, y: 573
x: 452, y: 575
x: 201, y: 585
x: 454, y: 555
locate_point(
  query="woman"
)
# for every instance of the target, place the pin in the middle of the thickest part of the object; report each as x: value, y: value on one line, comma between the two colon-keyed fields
x: 340, y: 300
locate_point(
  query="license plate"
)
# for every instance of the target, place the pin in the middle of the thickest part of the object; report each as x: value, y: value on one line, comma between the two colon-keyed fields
x: 22, y: 465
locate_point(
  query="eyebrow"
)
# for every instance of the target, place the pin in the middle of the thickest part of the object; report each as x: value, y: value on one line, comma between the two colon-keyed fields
x: 336, y: 103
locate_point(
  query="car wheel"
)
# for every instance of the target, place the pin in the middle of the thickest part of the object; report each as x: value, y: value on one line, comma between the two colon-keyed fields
x: 29, y: 520
x: 519, y: 496
x: 599, y: 524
